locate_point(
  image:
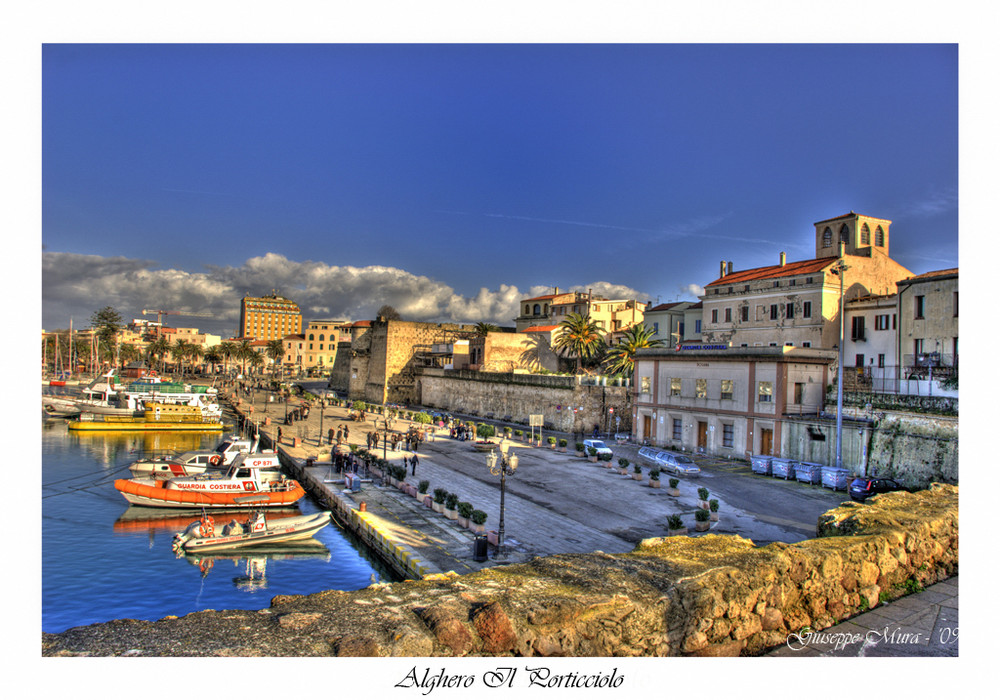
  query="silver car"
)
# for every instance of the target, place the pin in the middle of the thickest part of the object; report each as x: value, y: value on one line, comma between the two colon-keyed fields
x: 677, y: 464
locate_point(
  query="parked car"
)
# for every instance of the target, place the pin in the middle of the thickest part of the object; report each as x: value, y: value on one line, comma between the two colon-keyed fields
x: 866, y: 487
x: 598, y: 445
x: 669, y: 461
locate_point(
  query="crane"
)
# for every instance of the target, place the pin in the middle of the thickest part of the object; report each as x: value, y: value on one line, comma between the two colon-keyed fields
x: 160, y: 314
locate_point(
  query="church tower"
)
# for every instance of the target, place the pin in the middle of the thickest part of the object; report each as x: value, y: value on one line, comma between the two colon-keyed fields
x: 861, y: 235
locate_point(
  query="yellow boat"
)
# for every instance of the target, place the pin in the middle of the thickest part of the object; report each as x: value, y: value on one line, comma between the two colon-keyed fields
x: 156, y: 416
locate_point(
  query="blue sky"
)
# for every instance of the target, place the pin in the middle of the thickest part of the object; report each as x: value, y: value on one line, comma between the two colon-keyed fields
x: 449, y: 180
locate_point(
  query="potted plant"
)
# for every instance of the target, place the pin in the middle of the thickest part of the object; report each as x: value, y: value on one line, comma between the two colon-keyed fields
x: 605, y: 457
x: 675, y: 526
x: 701, y: 523
x: 623, y: 466
x: 579, y: 450
x: 506, y: 432
x: 439, y: 496
x: 703, y: 498
x: 450, y: 506
x: 654, y: 478
x: 713, y: 508
x: 552, y: 442
x: 422, y: 490
x: 478, y: 519
x: 464, y: 513
x: 673, y: 490
x: 563, y: 442
x: 637, y: 472
x: 592, y: 451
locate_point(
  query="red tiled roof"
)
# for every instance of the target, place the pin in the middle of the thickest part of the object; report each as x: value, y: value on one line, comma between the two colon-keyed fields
x: 361, y: 324
x: 929, y: 275
x: 541, y: 298
x: 540, y: 329
x: 664, y: 307
x: 803, y: 267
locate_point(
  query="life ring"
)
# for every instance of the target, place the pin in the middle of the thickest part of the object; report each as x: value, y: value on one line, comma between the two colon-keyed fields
x: 216, y: 460
x: 207, y: 526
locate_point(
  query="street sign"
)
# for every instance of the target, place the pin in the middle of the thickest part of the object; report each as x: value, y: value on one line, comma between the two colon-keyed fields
x: 536, y: 421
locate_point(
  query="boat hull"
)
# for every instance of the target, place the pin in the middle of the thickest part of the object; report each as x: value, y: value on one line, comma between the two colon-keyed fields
x: 286, y: 530
x: 155, y: 494
x: 123, y: 423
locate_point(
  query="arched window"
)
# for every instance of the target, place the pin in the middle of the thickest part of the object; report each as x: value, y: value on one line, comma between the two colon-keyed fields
x: 310, y: 336
x: 827, y: 238
x: 321, y: 336
x: 527, y: 309
x: 880, y: 237
x: 538, y: 310
x: 845, y: 234
x: 866, y: 235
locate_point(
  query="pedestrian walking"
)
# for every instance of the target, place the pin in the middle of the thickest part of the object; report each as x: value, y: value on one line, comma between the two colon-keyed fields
x: 413, y: 463
x: 279, y: 434
x: 329, y: 437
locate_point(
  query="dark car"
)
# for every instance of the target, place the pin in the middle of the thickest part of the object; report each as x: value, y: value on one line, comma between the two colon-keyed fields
x: 866, y: 487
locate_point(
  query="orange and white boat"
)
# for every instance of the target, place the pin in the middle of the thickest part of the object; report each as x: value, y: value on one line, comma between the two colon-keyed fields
x: 249, y: 482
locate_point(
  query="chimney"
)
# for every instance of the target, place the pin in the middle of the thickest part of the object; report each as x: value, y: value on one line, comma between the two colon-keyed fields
x: 781, y: 258
x: 729, y: 267
x: 722, y: 268
x: 556, y: 290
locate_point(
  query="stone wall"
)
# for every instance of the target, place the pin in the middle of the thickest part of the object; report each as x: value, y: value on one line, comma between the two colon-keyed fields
x: 516, y: 396
x: 711, y: 595
x: 915, y: 449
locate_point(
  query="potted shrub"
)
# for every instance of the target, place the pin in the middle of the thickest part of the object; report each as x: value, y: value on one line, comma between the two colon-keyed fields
x: 563, y: 442
x: 506, y: 432
x: 478, y: 519
x: 637, y: 472
x: 450, y: 506
x: 701, y: 523
x: 592, y: 451
x: 654, y: 478
x: 673, y: 489
x: 422, y: 490
x: 439, y: 496
x: 605, y: 457
x: 518, y: 435
x: 552, y: 442
x: 464, y: 513
x: 579, y: 450
x: 713, y: 510
x: 675, y: 526
x: 703, y: 498
x: 623, y: 466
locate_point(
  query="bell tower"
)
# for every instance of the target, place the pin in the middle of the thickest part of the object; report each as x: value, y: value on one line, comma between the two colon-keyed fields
x: 861, y: 235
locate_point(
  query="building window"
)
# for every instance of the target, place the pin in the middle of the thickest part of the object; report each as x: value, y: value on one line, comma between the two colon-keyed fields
x: 745, y: 313
x: 656, y: 329
x: 726, y: 390
x: 866, y: 235
x: 807, y: 309
x: 882, y: 322
x: 918, y: 306
x: 806, y: 344
x: 715, y: 315
x: 827, y: 238
x: 800, y: 392
x: 697, y: 327
x: 857, y: 328
x: 675, y: 387
x: 879, y: 237
x: 845, y: 234
x: 789, y: 310
x: 727, y: 434
x: 954, y: 304
x: 859, y: 360
x: 645, y: 385
x: 701, y: 388
x: 764, y: 390
x: 678, y: 429
x: 774, y: 312
x: 729, y: 315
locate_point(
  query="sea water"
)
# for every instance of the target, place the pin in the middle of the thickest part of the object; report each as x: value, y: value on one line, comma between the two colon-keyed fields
x: 103, y: 559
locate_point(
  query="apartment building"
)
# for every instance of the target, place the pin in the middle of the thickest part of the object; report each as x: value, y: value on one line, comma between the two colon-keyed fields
x: 927, y: 306
x: 613, y: 315
x: 269, y: 317
x: 320, y: 340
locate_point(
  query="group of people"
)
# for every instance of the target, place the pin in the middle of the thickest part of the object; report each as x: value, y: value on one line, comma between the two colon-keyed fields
x: 341, y: 433
x: 463, y: 432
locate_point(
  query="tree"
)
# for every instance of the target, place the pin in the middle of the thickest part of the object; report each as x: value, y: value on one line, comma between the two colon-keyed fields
x: 621, y: 357
x: 245, y: 353
x: 275, y: 350
x: 129, y: 352
x: 214, y: 357
x: 180, y: 352
x: 388, y: 313
x: 157, y: 350
x: 228, y: 352
x: 482, y: 328
x: 579, y: 336
x: 106, y: 324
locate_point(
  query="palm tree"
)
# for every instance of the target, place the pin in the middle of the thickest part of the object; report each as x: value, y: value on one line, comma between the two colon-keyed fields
x: 180, y: 352
x: 128, y: 353
x: 228, y: 352
x: 244, y: 353
x: 621, y: 357
x: 482, y: 328
x: 158, y: 350
x: 579, y: 336
x: 213, y: 356
x: 195, y: 353
x: 275, y: 350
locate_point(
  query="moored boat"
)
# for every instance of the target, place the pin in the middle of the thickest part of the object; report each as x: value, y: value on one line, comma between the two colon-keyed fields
x: 245, y: 484
x: 155, y: 416
x: 256, y: 530
x: 196, y: 461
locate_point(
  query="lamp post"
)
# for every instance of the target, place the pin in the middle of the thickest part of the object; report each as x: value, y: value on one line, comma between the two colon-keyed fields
x: 839, y: 270
x: 501, y: 464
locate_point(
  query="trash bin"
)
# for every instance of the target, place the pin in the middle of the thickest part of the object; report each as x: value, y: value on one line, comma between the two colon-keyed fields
x: 761, y: 464
x: 781, y: 468
x: 479, y: 548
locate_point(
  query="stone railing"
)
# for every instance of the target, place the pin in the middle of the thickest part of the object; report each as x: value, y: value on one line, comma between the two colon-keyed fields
x: 673, y: 596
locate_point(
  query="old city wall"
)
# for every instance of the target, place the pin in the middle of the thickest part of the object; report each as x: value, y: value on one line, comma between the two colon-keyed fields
x: 915, y: 449
x: 499, y: 395
x: 340, y: 375
x: 713, y: 595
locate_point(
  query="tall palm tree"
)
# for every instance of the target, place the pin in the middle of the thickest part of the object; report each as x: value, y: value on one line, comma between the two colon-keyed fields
x: 127, y: 353
x: 244, y: 353
x: 482, y: 328
x: 579, y: 336
x: 275, y: 350
x: 158, y: 350
x: 195, y: 353
x: 214, y: 357
x: 621, y: 357
x: 228, y: 352
x: 180, y: 352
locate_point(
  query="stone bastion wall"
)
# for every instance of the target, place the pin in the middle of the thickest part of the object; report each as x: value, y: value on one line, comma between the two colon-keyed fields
x: 673, y: 596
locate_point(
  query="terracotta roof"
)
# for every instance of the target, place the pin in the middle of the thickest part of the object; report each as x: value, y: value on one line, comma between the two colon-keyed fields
x: 361, y: 324
x: 803, y: 267
x: 664, y: 307
x: 541, y: 298
x: 929, y: 275
x: 540, y: 329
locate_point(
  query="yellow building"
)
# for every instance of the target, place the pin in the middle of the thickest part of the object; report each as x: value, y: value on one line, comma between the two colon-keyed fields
x: 270, y: 317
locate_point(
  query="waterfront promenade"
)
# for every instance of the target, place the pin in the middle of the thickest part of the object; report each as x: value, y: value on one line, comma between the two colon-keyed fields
x: 559, y: 503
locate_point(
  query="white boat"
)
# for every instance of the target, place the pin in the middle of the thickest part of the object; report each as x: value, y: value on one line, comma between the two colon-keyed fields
x: 202, y: 535
x: 60, y: 407
x: 194, y: 461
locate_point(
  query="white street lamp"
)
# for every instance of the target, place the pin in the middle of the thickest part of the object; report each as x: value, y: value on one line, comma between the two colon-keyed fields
x: 501, y: 464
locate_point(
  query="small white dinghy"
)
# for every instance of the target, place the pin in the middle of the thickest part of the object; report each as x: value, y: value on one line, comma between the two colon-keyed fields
x: 201, y: 535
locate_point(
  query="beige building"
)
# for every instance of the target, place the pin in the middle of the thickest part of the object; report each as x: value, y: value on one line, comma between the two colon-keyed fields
x: 320, y: 340
x: 732, y: 402
x: 613, y: 315
x: 928, y: 323
x: 797, y: 303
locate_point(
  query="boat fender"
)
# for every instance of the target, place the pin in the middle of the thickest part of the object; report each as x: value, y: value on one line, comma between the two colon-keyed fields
x: 208, y: 526
x: 216, y: 460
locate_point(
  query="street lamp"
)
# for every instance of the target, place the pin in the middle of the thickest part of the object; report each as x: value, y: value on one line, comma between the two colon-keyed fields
x: 839, y: 270
x: 502, y: 467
